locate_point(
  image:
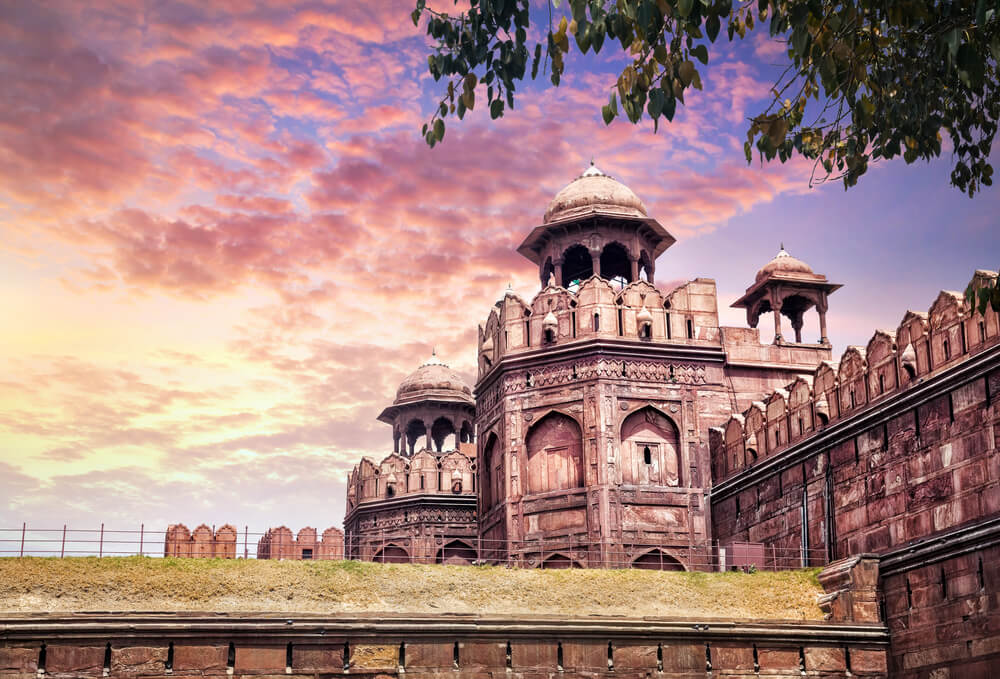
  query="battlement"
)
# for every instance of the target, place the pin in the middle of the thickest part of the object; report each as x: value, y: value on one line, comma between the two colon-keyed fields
x: 426, y: 473
x: 923, y: 345
x: 202, y: 543
x: 687, y: 315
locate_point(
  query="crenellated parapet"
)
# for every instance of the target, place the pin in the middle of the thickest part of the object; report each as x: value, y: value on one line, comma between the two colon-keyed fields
x: 425, y: 473
x: 202, y: 543
x: 923, y: 344
x: 599, y: 309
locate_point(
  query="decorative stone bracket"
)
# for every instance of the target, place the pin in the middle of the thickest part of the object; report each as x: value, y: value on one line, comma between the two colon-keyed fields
x: 851, y: 587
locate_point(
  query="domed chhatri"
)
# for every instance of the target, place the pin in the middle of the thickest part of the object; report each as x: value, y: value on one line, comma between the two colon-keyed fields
x: 595, y: 226
x: 784, y: 263
x: 433, y: 379
x: 594, y: 192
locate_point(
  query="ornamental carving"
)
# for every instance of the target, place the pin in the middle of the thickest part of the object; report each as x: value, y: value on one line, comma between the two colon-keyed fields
x: 667, y: 372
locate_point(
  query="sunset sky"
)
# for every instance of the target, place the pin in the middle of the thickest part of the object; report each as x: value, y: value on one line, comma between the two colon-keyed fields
x: 223, y: 242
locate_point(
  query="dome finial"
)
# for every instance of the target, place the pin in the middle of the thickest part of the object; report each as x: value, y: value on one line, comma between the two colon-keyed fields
x: 782, y: 246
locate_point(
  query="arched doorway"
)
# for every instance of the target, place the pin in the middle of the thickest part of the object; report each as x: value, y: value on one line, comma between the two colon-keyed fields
x: 391, y: 554
x: 456, y: 553
x: 657, y: 560
x: 650, y: 444
x: 555, y: 454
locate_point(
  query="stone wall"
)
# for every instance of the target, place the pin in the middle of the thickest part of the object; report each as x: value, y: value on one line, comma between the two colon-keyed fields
x: 893, y: 452
x: 278, y: 543
x: 462, y: 647
x: 202, y: 543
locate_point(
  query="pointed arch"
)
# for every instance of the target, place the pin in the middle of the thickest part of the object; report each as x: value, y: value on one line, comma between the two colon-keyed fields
x: 577, y: 266
x: 650, y: 446
x: 559, y: 561
x: 456, y: 553
x: 554, y: 448
x: 657, y: 560
x: 391, y: 554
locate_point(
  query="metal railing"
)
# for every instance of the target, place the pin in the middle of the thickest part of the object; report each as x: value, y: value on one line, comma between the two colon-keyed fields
x: 397, y: 547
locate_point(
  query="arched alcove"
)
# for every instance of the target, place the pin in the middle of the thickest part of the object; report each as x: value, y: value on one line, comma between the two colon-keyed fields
x: 414, y: 430
x: 555, y: 454
x: 559, y: 561
x: 391, y: 554
x: 649, y: 449
x: 493, y: 473
x: 657, y: 560
x: 456, y: 553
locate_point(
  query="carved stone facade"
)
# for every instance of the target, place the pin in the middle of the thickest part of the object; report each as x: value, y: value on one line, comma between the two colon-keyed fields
x: 419, y: 504
x: 594, y: 399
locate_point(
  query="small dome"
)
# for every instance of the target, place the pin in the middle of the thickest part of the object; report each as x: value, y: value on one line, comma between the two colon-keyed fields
x: 594, y: 192
x: 644, y: 316
x: 433, y: 379
x: 783, y: 263
x: 550, y: 321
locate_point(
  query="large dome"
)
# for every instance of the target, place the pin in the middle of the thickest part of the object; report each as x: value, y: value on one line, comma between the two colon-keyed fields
x: 783, y: 263
x: 591, y: 193
x: 432, y: 380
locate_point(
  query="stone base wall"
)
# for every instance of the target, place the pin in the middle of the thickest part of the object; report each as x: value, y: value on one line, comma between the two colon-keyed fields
x: 462, y: 649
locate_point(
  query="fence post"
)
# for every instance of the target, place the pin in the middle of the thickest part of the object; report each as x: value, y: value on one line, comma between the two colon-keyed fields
x: 100, y: 549
x: 142, y: 534
x: 62, y: 550
x: 24, y: 527
x: 246, y: 533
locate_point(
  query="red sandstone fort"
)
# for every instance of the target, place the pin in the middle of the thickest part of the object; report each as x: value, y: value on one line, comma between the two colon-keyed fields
x: 615, y: 424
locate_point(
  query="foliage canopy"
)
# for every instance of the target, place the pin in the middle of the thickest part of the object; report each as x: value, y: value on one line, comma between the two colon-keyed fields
x: 866, y: 80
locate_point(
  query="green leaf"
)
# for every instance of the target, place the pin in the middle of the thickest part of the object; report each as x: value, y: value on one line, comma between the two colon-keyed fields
x: 701, y: 53
x: 669, y: 107
x: 684, y: 7
x: 712, y: 26
x: 496, y: 108
x: 439, y: 129
x: 655, y: 105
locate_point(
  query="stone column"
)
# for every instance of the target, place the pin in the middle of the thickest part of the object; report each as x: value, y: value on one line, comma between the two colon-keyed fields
x: 558, y: 264
x: 595, y: 262
x: 776, y: 309
x: 430, y: 438
x: 821, y: 308
x: 634, y: 262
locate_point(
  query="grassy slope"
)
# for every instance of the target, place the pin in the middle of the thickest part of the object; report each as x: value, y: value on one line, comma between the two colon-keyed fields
x: 145, y: 584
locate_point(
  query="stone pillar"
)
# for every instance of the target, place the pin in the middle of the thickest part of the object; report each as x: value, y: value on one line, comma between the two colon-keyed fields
x: 650, y: 271
x: 595, y: 262
x: 797, y: 327
x: 776, y: 309
x: 851, y: 587
x: 558, y: 271
x: 430, y: 438
x: 822, y: 321
x: 634, y: 262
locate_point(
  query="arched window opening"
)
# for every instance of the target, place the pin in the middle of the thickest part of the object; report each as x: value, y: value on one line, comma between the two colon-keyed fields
x: 390, y: 490
x: 621, y: 322
x: 947, y: 349
x: 752, y: 454
x: 911, y: 372
x: 615, y: 265
x: 415, y: 430
x: 645, y: 267
x: 881, y: 383
x: 690, y: 328
x: 597, y: 322
x: 549, y: 336
x: 823, y: 418
x: 559, y: 561
x: 440, y: 430
x: 572, y: 318
x: 577, y: 267
x: 853, y: 400
x: 650, y: 445
x: 554, y: 448
x: 547, y: 270
x: 670, y: 333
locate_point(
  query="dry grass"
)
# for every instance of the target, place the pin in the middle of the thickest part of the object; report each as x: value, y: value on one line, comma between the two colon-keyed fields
x: 145, y: 584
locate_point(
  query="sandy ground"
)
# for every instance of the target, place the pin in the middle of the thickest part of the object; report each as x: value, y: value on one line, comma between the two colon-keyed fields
x: 148, y: 584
